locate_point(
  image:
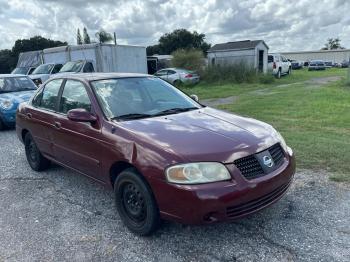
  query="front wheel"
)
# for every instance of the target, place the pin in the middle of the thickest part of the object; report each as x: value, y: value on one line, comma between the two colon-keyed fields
x: 289, y: 71
x: 135, y: 203
x: 35, y: 159
x: 278, y: 75
x: 177, y: 82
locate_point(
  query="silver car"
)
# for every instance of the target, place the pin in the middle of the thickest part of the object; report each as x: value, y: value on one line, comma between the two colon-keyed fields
x: 178, y: 76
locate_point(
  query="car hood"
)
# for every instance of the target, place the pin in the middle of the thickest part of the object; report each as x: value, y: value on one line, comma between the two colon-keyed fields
x: 17, y: 97
x: 205, y: 135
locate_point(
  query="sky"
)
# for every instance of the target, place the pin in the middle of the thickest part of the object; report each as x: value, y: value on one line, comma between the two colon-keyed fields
x: 285, y: 25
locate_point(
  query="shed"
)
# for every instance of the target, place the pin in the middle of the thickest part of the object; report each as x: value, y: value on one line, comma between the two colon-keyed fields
x: 253, y: 53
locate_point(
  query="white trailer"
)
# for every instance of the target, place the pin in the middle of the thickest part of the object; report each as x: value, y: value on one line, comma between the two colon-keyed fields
x: 104, y: 57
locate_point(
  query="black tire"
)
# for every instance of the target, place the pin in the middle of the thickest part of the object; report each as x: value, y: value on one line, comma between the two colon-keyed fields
x: 35, y: 159
x: 289, y: 71
x: 177, y: 82
x: 135, y: 203
x: 2, y: 126
x: 278, y: 76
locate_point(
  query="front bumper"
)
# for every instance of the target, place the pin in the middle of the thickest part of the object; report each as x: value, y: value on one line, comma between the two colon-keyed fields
x: 223, y: 201
x: 8, y: 117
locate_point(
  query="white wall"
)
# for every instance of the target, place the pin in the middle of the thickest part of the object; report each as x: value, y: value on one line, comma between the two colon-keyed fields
x: 249, y: 56
x: 335, y: 56
x: 232, y: 57
x: 106, y: 58
x: 131, y: 59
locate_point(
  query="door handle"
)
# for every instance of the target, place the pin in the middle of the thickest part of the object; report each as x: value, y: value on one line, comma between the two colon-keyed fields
x: 57, y: 125
x: 29, y: 115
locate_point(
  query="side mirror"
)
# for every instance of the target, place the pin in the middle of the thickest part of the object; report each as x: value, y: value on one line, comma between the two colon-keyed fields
x: 81, y: 115
x: 195, y: 98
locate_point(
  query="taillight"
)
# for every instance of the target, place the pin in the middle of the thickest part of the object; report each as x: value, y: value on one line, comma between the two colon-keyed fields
x: 188, y: 76
x: 274, y: 65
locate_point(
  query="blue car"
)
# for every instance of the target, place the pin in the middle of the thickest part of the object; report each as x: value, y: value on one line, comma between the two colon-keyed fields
x: 14, y: 89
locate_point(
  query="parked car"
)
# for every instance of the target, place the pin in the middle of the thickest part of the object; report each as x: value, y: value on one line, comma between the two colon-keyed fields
x: 80, y: 66
x: 344, y: 64
x: 279, y: 65
x: 316, y: 65
x: 165, y: 155
x: 14, y: 89
x: 43, y: 72
x: 178, y: 76
x: 328, y: 64
x: 23, y: 70
x: 296, y: 64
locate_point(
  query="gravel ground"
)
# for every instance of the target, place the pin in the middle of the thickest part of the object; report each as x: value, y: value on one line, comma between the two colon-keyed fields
x: 61, y: 216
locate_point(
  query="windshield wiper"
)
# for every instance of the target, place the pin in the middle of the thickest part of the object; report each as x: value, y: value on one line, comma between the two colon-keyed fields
x: 175, y: 110
x: 131, y: 116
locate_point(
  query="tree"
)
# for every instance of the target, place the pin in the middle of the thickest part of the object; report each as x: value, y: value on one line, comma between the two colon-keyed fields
x: 191, y: 59
x: 86, y: 36
x: 9, y: 58
x: 180, y: 39
x: 103, y: 36
x: 79, y: 39
x: 33, y: 44
x: 332, y: 43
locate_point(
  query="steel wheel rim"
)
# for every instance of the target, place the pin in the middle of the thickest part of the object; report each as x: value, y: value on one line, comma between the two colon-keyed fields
x: 133, y: 202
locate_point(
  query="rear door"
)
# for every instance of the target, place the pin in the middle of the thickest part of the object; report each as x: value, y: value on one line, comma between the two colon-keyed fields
x: 41, y: 116
x: 77, y: 144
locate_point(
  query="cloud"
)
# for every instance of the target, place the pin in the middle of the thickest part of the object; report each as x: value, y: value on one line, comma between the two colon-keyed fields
x: 284, y: 25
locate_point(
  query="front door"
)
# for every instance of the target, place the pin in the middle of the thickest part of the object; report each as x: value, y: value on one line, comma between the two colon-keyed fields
x: 76, y: 144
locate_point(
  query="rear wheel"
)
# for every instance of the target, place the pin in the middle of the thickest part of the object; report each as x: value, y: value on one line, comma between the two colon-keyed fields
x: 135, y: 203
x: 278, y: 74
x: 177, y: 82
x: 289, y: 71
x: 35, y: 159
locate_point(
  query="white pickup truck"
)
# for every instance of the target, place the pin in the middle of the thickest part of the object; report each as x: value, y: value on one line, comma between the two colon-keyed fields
x: 279, y: 65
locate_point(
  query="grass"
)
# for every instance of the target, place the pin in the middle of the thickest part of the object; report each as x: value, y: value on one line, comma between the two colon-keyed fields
x: 205, y: 91
x: 314, y: 119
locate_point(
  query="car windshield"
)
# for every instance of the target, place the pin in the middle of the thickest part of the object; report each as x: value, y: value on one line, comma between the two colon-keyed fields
x: 140, y: 97
x: 72, y: 67
x: 43, y: 69
x: 20, y: 71
x: 16, y: 84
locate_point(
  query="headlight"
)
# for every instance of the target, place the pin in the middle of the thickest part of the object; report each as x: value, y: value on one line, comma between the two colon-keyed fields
x: 282, y: 141
x: 6, y: 104
x: 197, y: 173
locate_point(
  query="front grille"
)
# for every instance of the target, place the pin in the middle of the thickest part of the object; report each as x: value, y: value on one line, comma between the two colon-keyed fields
x: 250, y: 167
x: 256, y: 204
x: 277, y: 154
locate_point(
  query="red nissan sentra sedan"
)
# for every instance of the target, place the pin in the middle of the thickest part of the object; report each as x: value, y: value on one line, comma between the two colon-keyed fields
x: 165, y: 155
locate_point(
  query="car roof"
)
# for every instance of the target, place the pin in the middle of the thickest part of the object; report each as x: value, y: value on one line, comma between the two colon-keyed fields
x: 99, y: 76
x: 12, y: 75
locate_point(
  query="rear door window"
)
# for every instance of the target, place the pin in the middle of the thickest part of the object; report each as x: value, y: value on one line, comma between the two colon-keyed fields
x: 50, y: 95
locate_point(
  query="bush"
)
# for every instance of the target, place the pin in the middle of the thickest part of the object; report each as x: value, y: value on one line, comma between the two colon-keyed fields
x: 235, y: 73
x: 191, y: 59
x: 266, y: 78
